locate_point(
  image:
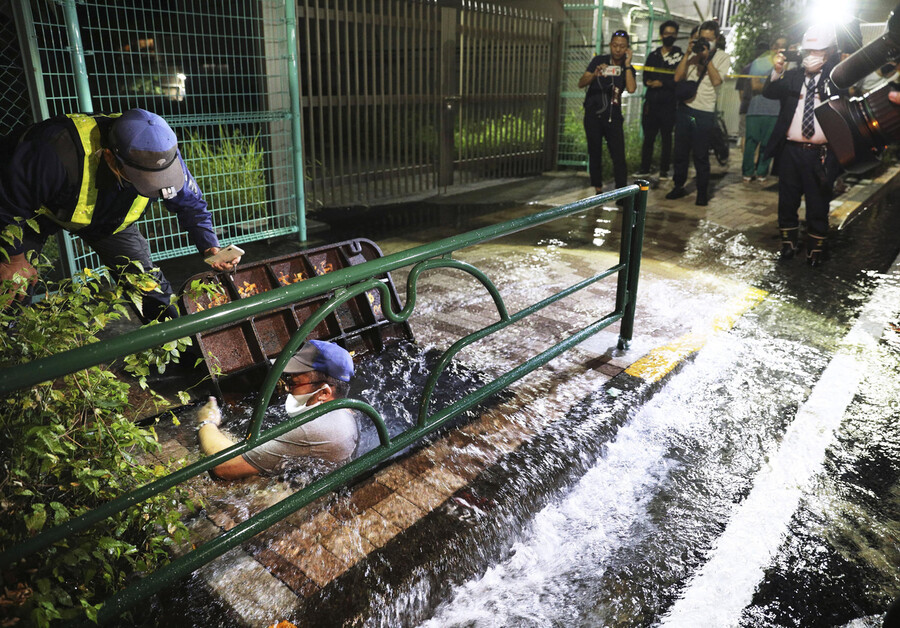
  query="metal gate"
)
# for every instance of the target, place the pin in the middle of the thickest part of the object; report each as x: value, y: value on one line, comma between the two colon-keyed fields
x: 403, y: 97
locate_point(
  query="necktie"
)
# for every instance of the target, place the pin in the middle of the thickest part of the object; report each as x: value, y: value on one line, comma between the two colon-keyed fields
x: 808, y: 127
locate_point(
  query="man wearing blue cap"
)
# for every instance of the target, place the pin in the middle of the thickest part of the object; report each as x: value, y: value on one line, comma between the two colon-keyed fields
x: 94, y: 175
x: 320, y: 371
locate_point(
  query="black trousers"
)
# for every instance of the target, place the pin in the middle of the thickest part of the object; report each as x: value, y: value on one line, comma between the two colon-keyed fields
x: 596, y: 129
x: 116, y: 251
x: 657, y: 119
x: 801, y: 172
x: 693, y: 133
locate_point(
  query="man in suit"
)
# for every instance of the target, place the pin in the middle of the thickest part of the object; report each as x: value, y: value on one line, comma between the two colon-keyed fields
x: 807, y: 166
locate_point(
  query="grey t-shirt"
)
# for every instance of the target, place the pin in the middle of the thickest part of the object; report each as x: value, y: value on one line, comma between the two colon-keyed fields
x: 759, y: 104
x: 331, y: 437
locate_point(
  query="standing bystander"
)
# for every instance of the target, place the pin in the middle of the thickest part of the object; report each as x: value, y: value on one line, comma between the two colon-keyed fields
x: 706, y: 64
x: 761, y: 116
x: 807, y: 166
x: 658, y: 115
x: 606, y: 77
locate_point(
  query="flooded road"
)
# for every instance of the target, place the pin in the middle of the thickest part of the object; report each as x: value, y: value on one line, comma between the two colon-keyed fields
x: 760, y: 487
x: 757, y: 485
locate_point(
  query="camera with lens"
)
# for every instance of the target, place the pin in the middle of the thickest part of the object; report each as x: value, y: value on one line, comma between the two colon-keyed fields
x: 860, y: 128
x: 700, y: 45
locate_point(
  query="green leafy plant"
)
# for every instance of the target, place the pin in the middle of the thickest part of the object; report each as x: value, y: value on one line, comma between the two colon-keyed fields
x: 230, y: 171
x: 573, y: 143
x: 508, y: 133
x: 70, y: 445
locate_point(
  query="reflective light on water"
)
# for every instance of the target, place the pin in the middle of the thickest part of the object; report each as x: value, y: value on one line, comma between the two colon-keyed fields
x: 606, y: 552
x: 618, y: 547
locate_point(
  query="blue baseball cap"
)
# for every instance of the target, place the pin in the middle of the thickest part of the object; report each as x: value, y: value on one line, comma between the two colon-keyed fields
x: 322, y: 356
x: 147, y: 149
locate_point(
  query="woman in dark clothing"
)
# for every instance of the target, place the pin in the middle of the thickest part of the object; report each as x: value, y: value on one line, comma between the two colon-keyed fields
x: 606, y: 77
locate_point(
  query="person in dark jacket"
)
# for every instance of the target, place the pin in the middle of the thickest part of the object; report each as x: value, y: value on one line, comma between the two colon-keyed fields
x: 606, y: 77
x: 658, y: 115
x: 94, y: 175
x: 807, y: 166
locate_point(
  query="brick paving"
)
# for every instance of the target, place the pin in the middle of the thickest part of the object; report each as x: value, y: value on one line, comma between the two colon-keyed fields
x: 310, y: 549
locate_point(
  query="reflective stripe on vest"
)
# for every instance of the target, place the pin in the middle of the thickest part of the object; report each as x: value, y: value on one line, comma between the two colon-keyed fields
x: 89, y: 133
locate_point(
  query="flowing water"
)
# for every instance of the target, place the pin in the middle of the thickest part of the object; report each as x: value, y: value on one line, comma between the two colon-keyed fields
x: 677, y: 515
x: 683, y: 521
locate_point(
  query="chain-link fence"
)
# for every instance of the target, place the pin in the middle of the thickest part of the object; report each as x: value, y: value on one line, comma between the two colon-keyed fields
x: 14, y: 106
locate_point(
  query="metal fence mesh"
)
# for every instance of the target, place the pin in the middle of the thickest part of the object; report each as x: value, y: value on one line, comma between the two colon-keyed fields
x: 14, y: 106
x: 580, y: 37
x: 500, y: 125
x: 398, y: 97
x: 217, y: 72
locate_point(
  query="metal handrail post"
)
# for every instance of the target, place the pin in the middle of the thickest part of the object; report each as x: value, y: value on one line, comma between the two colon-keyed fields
x: 85, y: 102
x: 636, y: 239
x: 290, y: 20
x: 598, y: 45
x: 79, y: 67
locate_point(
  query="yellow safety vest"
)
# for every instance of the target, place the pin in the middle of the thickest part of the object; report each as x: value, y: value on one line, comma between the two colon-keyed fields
x: 83, y: 212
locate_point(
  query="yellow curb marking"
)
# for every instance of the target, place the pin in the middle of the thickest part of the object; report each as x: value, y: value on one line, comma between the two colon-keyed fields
x: 658, y: 362
x: 843, y: 211
x: 887, y: 176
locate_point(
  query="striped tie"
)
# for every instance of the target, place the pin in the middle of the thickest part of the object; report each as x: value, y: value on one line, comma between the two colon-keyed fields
x: 808, y: 127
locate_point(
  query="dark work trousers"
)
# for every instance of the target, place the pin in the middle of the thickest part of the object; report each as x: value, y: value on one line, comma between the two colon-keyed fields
x: 657, y: 119
x: 693, y: 132
x: 797, y: 177
x: 595, y: 130
x: 115, y: 251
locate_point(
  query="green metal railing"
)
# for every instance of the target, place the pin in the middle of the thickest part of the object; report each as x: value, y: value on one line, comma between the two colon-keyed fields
x: 346, y: 283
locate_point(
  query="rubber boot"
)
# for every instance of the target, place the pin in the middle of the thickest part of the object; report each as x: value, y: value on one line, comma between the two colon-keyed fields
x: 789, y: 243
x: 815, y: 249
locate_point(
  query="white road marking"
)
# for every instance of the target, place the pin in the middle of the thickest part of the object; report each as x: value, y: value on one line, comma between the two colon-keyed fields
x: 725, y: 585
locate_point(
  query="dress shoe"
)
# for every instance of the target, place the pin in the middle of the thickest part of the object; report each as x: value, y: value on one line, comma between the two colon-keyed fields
x: 676, y: 192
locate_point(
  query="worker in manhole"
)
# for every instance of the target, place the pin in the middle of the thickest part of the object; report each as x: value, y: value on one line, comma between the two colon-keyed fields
x: 318, y: 372
x: 94, y: 175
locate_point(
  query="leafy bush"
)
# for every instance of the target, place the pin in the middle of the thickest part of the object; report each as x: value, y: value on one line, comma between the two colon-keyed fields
x: 509, y: 133
x: 69, y: 446
x: 573, y: 144
x: 231, y: 173
x: 486, y: 137
x: 757, y: 20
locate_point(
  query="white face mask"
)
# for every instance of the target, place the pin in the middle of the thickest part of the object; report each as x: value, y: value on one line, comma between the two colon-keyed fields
x: 295, y: 404
x: 813, y: 64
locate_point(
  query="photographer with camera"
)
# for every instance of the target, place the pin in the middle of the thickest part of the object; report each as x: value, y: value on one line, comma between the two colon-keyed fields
x: 698, y: 77
x: 807, y: 165
x: 606, y: 77
x: 658, y: 115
